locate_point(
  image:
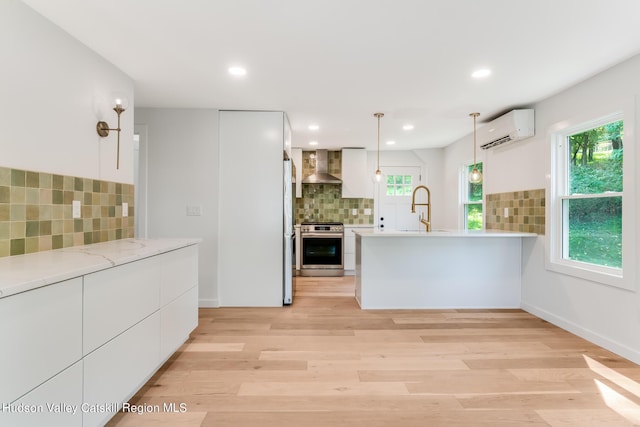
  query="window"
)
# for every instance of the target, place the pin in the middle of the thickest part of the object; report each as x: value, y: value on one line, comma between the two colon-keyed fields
x: 471, y: 200
x: 586, y: 229
x: 399, y: 185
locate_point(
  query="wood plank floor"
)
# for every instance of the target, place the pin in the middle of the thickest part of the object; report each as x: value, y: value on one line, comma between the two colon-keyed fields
x: 325, y: 362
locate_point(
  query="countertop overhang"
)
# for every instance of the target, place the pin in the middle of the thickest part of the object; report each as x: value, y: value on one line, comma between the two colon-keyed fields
x: 22, y: 273
x: 441, y: 233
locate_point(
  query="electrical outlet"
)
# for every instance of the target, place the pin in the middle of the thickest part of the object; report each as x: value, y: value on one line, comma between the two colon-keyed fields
x: 125, y: 209
x: 75, y: 209
x: 354, y: 212
x: 367, y: 211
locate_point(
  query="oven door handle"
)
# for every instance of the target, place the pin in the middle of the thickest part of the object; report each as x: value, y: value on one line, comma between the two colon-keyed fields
x: 341, y: 235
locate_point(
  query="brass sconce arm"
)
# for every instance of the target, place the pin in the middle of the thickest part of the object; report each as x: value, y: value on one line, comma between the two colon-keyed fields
x: 103, y: 130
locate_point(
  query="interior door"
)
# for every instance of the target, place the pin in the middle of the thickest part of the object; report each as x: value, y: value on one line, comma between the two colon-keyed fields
x: 394, y: 198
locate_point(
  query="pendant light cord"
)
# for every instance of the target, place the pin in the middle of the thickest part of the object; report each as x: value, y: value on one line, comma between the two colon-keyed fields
x: 474, y: 115
x: 379, y: 116
x: 378, y: 142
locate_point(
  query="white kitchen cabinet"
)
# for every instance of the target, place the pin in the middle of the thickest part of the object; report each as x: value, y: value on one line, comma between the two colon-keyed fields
x: 179, y: 273
x: 116, y: 298
x: 350, y: 248
x: 178, y: 318
x: 356, y: 181
x: 114, y: 372
x: 251, y: 192
x: 132, y: 317
x: 296, y: 156
x: 178, y: 298
x: 41, y: 334
x: 57, y: 402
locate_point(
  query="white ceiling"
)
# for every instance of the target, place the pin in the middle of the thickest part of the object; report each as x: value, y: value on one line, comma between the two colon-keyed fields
x: 336, y: 62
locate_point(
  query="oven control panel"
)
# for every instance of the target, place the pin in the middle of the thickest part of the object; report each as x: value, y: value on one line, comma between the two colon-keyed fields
x: 327, y: 228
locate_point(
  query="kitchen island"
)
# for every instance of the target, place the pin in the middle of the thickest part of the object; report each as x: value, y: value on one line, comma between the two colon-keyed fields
x: 439, y: 269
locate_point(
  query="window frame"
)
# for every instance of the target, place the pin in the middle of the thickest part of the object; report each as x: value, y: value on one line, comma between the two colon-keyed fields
x: 402, y: 185
x: 464, y: 197
x: 556, y: 238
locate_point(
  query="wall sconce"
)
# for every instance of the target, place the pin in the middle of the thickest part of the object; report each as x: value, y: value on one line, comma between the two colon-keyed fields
x: 103, y: 127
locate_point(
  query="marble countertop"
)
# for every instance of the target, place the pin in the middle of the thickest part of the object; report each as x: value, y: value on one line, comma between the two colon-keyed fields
x: 21, y: 273
x: 442, y: 233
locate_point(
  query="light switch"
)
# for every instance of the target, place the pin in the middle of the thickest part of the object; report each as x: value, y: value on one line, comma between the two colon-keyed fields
x: 194, y: 210
x: 125, y: 209
x: 75, y: 209
x: 506, y: 212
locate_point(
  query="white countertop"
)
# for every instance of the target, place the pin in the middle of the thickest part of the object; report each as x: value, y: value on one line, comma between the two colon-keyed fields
x: 25, y: 272
x: 441, y: 233
x: 349, y: 225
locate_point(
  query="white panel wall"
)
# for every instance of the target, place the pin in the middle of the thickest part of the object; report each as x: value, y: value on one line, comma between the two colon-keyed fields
x: 251, y: 211
x: 606, y: 315
x: 54, y: 91
x: 183, y: 170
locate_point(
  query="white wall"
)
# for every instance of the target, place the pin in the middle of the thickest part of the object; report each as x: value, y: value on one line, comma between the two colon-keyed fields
x: 603, y: 314
x: 51, y: 86
x: 183, y: 170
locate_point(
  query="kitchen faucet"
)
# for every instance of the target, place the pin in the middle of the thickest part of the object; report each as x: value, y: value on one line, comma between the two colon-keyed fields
x: 427, y: 222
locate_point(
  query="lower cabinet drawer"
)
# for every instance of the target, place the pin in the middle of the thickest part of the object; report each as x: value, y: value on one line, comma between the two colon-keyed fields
x: 41, y: 334
x: 114, y: 372
x: 179, y: 318
x: 118, y: 297
x: 179, y: 273
x: 56, y: 403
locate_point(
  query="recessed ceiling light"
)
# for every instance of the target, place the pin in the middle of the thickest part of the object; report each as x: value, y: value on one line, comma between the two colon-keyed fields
x: 407, y: 127
x: 313, y: 143
x: 391, y: 143
x: 314, y: 127
x: 237, y: 71
x: 478, y: 74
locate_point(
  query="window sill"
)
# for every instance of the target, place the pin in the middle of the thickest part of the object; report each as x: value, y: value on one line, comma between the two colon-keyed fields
x: 593, y: 273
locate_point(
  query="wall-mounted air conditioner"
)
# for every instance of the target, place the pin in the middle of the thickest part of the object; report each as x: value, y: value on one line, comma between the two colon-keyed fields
x: 512, y: 126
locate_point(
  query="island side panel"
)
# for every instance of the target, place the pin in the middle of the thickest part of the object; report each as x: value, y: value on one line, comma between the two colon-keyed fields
x: 358, y: 275
x: 439, y: 272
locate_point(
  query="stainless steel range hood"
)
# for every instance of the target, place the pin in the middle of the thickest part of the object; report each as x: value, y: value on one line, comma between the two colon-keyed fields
x: 322, y: 176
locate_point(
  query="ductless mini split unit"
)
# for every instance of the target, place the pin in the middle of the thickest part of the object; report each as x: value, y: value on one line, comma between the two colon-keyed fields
x: 513, y: 126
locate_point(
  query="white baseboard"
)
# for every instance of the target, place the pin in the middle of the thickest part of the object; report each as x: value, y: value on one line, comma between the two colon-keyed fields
x: 594, y: 337
x: 208, y: 303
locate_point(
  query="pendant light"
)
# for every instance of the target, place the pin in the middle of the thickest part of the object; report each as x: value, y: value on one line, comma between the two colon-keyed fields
x: 475, y: 176
x: 378, y: 175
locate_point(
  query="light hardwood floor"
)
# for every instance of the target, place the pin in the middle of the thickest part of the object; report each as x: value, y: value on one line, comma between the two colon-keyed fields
x: 325, y: 362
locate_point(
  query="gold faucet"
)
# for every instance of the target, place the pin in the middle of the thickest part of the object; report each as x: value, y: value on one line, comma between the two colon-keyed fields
x: 427, y: 222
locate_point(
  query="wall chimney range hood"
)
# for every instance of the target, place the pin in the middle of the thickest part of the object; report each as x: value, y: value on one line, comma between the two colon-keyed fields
x: 322, y: 176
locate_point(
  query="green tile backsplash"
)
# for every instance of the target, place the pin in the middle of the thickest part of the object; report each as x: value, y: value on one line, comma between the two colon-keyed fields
x: 35, y: 211
x: 526, y: 211
x: 323, y: 202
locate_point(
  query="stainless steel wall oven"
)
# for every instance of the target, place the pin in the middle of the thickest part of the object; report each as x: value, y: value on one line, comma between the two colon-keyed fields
x: 322, y: 249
